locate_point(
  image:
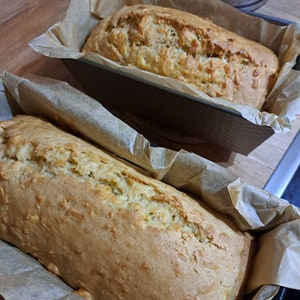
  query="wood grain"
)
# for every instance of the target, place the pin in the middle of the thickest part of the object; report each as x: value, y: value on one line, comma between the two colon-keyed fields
x: 21, y: 21
x: 287, y: 9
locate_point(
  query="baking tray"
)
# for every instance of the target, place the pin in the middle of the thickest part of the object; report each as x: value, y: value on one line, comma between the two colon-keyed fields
x: 188, y: 115
x: 285, y: 183
x: 119, y: 91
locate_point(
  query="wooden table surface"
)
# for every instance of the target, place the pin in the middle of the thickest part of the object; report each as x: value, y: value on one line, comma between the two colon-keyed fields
x: 21, y: 20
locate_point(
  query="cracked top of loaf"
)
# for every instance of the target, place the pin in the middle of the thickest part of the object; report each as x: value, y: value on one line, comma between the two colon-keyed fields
x: 186, y: 47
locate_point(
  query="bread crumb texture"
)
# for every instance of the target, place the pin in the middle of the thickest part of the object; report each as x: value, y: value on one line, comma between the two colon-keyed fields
x: 105, y: 228
x: 186, y: 47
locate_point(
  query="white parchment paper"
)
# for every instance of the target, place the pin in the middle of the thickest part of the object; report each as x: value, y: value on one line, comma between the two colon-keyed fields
x: 22, y: 277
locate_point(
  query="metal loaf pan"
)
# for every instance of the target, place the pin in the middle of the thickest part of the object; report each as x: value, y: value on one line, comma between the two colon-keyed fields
x: 285, y: 183
x: 182, y: 113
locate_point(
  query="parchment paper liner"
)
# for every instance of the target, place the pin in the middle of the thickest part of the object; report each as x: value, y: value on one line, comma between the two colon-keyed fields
x: 274, y: 221
x: 22, y: 277
x: 66, y: 38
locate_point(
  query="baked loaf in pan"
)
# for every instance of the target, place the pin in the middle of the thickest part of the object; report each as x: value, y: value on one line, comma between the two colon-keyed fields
x: 106, y: 228
x: 186, y: 47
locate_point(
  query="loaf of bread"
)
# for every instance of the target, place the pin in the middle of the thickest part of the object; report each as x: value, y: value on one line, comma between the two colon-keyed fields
x: 105, y: 228
x: 186, y: 47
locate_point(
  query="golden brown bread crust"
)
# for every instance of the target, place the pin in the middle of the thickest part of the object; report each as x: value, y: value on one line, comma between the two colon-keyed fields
x: 106, y: 228
x: 183, y: 46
